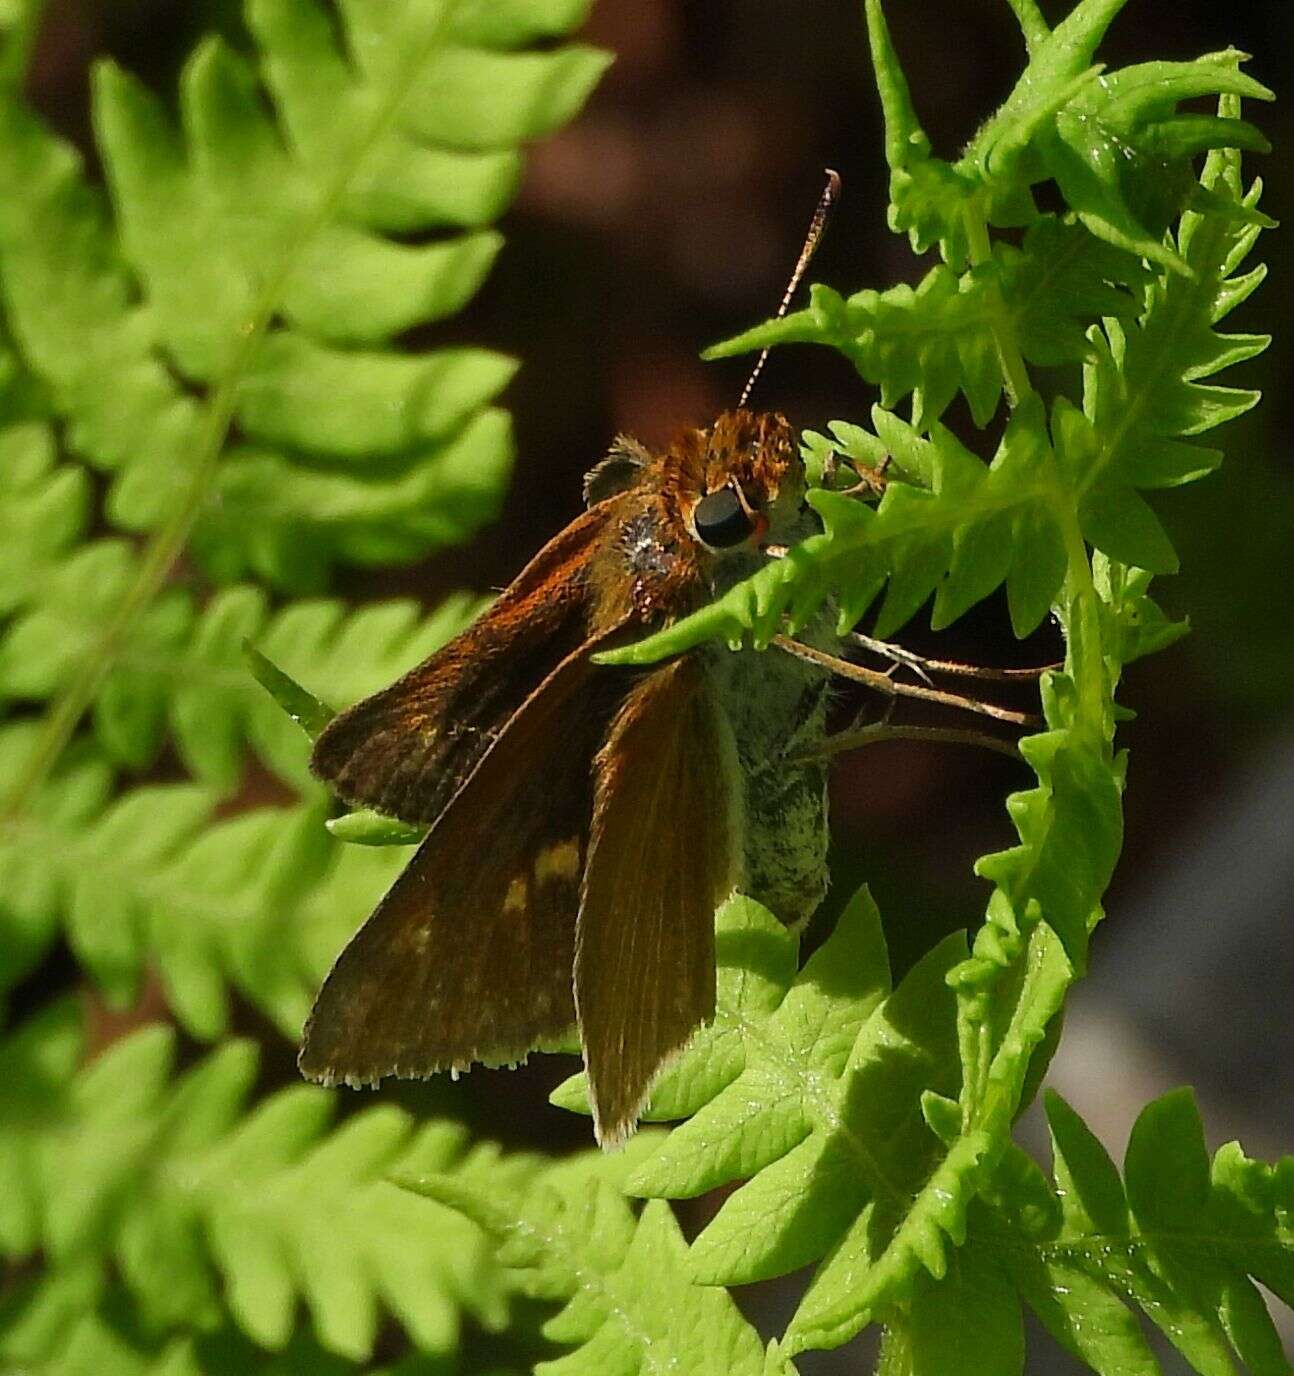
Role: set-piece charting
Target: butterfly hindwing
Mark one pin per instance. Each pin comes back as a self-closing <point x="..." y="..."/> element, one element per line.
<point x="469" y="956"/>
<point x="664" y="851"/>
<point x="407" y="750"/>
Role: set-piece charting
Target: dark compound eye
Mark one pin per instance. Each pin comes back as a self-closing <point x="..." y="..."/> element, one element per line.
<point x="721" y="520"/>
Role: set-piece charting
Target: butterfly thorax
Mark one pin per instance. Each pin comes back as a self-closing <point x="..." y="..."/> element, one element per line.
<point x="654" y="555"/>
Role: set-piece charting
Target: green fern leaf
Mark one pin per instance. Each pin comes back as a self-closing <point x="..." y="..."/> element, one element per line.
<point x="973" y="1309"/>
<point x="312" y="1219"/>
<point x="1032" y="945"/>
<point x="74" y="1323"/>
<point x="1146" y="394"/>
<point x="281" y="319"/>
<point x="940" y="338"/>
<point x="37" y="1063"/>
<point x="260" y="902"/>
<point x="958" y="529"/>
<point x="629" y="1303"/>
<point x="33" y="900"/>
<point x="181" y="673"/>
<point x="1178" y="1238"/>
<point x="1095" y="133"/>
<point x="1025" y="955"/>
<point x="44" y="510"/>
<point x="1135" y="625"/>
<point x="45" y="646"/>
<point x="19" y="28"/>
<point x="1029" y="950"/>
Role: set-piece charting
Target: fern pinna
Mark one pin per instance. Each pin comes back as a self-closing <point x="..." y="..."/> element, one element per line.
<point x="204" y="412"/>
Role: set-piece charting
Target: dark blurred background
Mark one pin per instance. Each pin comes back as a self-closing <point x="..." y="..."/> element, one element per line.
<point x="668" y="217"/>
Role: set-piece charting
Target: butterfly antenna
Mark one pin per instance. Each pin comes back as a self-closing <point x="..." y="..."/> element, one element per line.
<point x="830" y="195"/>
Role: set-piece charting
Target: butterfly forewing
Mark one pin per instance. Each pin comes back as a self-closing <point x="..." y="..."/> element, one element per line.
<point x="663" y="853"/>
<point x="407" y="750"/>
<point x="468" y="958"/>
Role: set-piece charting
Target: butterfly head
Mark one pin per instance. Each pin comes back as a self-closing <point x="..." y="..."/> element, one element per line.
<point x="740" y="481"/>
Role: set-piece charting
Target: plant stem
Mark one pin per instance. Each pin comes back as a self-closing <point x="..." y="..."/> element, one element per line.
<point x="1014" y="373"/>
<point x="1032" y="24"/>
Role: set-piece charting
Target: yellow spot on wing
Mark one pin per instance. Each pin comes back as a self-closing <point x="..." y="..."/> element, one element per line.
<point x="559" y="861"/>
<point x="518" y="892"/>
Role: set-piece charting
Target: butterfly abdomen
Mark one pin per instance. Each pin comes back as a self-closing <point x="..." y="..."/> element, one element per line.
<point x="777" y="709"/>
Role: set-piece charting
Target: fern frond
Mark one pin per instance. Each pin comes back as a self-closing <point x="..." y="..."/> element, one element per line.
<point x="959" y="528"/>
<point x="75" y="1322"/>
<point x="1031" y="946"/>
<point x="32" y="899"/>
<point x="1095" y="133"/>
<point x="1047" y="901"/>
<point x="180" y="672"/>
<point x="279" y="317"/>
<point x="941" y="337"/>
<point x="1178" y="1238"/>
<point x="129" y="1169"/>
<point x="1147" y="394"/>
<point x="629" y="1303"/>
<point x="259" y="902"/>
<point x="44" y="511"/>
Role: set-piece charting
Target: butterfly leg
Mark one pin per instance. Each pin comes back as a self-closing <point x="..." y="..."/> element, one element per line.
<point x="872" y="480"/>
<point x="923" y="667"/>
<point x="857" y="736"/>
<point x="884" y="683"/>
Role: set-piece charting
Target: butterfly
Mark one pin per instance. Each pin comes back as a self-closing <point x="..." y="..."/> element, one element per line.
<point x="586" y="820"/>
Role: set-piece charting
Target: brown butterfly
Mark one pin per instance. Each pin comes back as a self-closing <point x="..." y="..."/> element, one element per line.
<point x="586" y="820"/>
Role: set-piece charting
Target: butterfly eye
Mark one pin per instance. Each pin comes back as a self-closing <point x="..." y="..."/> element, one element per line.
<point x="721" y="520"/>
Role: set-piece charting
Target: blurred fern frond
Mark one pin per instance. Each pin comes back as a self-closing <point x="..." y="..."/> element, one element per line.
<point x="204" y="1205"/>
<point x="259" y="263"/>
<point x="156" y="880"/>
<point x="223" y="339"/>
<point x="221" y="377"/>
